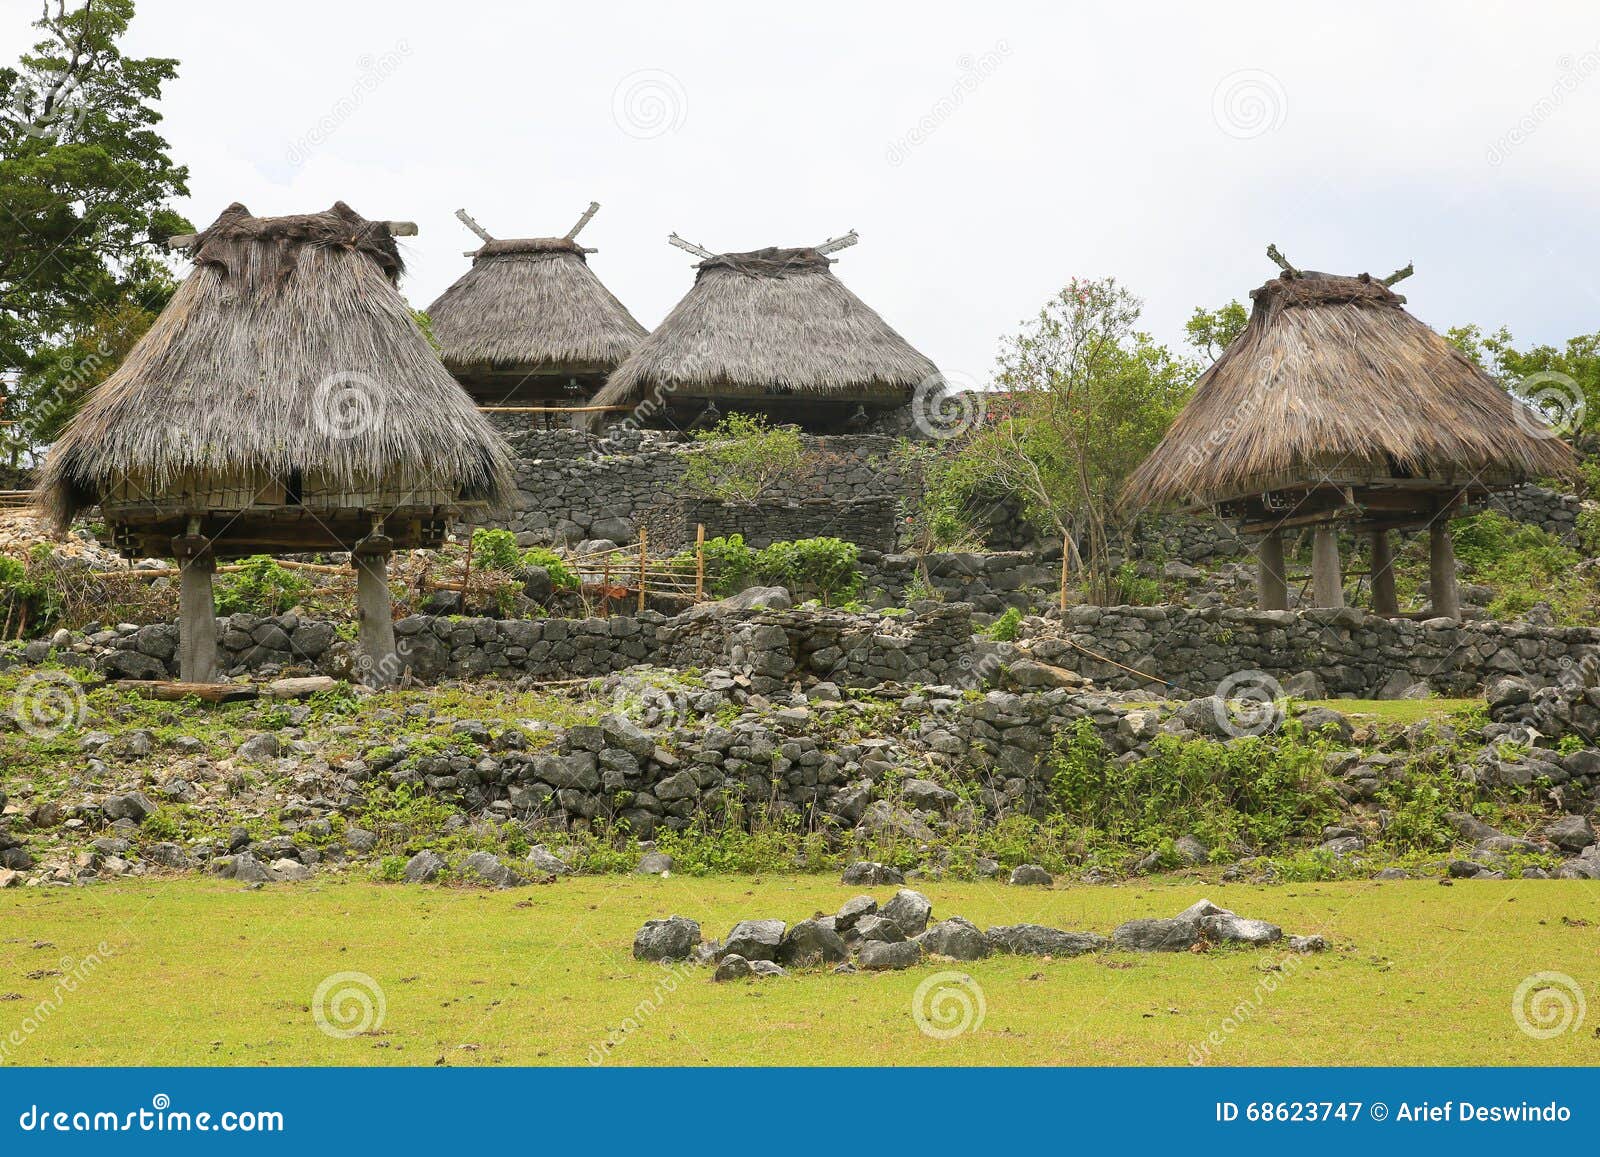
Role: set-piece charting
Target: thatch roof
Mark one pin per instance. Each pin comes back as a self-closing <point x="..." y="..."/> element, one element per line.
<point x="532" y="304"/>
<point x="1332" y="381"/>
<point x="283" y="326"/>
<point x="769" y="321"/>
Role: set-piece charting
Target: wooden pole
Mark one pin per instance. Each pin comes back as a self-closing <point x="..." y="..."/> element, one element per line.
<point x="1066" y="553"/>
<point x="197" y="621"/>
<point x="699" y="561"/>
<point x="375" y="619"/>
<point x="1384" y="600"/>
<point x="644" y="547"/>
<point x="1327" y="585"/>
<point x="1442" y="570"/>
<point x="1272" y="585"/>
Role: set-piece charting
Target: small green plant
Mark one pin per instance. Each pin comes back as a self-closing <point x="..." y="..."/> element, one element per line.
<point x="260" y="587"/>
<point x="561" y="575"/>
<point x="1133" y="589"/>
<point x="1005" y="628"/>
<point x="730" y="564"/>
<point x="390" y="870"/>
<point x="496" y="550"/>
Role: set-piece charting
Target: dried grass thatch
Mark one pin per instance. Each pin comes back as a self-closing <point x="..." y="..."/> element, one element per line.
<point x="287" y="349"/>
<point x="1332" y="381"/>
<point x="770" y="321"/>
<point x="532" y="305"/>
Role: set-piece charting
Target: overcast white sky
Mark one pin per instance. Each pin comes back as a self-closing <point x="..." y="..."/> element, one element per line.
<point x="1162" y="143"/>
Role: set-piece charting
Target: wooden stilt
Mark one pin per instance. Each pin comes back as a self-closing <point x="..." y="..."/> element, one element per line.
<point x="1272" y="587"/>
<point x="1384" y="600"/>
<point x="1442" y="570"/>
<point x="1327" y="583"/>
<point x="374" y="611"/>
<point x="197" y="610"/>
<point x="197" y="621"/>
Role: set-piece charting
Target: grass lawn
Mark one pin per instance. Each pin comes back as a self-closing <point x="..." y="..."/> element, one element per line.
<point x="1401" y="712"/>
<point x="206" y="973"/>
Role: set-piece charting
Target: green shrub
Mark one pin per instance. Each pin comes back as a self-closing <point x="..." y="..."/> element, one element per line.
<point x="742" y="457"/>
<point x="262" y="587"/>
<point x="390" y="870"/>
<point x="730" y="564"/>
<point x="828" y="566"/>
<point x="496" y="550"/>
<point x="1005" y="628"/>
<point x="561" y="575"/>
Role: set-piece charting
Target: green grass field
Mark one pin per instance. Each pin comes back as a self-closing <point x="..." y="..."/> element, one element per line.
<point x="202" y="972"/>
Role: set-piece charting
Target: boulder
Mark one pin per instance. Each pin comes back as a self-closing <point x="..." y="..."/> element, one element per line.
<point x="728" y="968"/>
<point x="289" y="871"/>
<point x="869" y="873"/>
<point x="654" y="864"/>
<point x="424" y="867"/>
<point x="1571" y="833"/>
<point x="853" y="910"/>
<point x="1037" y="940"/>
<point x="134" y="806"/>
<point x="884" y="956"/>
<point x="260" y="748"/>
<point x="811" y="942"/>
<point x="754" y="939"/>
<point x="1227" y="928"/>
<point x="674" y="938"/>
<point x="909" y="910"/>
<point x="1031" y="874"/>
<point x="1191" y="850"/>
<point x="878" y="928"/>
<point x="1307" y="944"/>
<point x="956" y="938"/>
<point x="486" y="866"/>
<point x="925" y="795"/>
<point x="1157" y="935"/>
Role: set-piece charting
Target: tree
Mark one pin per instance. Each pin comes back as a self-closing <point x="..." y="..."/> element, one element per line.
<point x="743" y="457"/>
<point x="1212" y="331"/>
<point x="86" y="183"/>
<point x="1093" y="396"/>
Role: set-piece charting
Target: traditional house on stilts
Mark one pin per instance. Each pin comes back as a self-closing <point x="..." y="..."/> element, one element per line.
<point x="770" y="332"/>
<point x="1336" y="409"/>
<point x="285" y="400"/>
<point x="530" y="325"/>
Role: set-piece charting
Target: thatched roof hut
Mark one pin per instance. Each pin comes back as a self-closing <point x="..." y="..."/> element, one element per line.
<point x="771" y="330"/>
<point x="286" y="398"/>
<point x="1335" y="405"/>
<point x="530" y="322"/>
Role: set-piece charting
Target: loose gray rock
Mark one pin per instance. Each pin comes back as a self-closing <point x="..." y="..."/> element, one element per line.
<point x="766" y="968"/>
<point x="869" y="873"/>
<point x="910" y="910"/>
<point x="487" y="867"/>
<point x="883" y="956"/>
<point x="134" y="806"/>
<point x="424" y="867"/>
<point x="242" y="867"/>
<point x="730" y="967"/>
<point x="1307" y="944"/>
<point x="1571" y="833"/>
<point x="654" y="864"/>
<point x="853" y="910"/>
<point x="956" y="938"/>
<point x="1037" y="940"/>
<point x="810" y="942"/>
<point x="754" y="939"/>
<point x="875" y="927"/>
<point x="1031" y="874"/>
<point x="674" y="938"/>
<point x="1157" y="935"/>
<point x="1230" y="929"/>
<point x="260" y="748"/>
<point x="288" y="871"/>
<point x="1191" y="850"/>
<point x="543" y="861"/>
<point x="359" y="840"/>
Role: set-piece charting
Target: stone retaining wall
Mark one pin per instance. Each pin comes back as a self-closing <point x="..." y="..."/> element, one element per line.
<point x="1352" y="653"/>
<point x="870" y="521"/>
